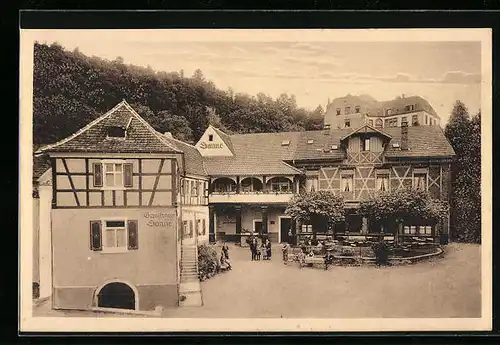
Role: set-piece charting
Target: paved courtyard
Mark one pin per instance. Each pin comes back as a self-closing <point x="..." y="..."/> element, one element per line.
<point x="447" y="287"/>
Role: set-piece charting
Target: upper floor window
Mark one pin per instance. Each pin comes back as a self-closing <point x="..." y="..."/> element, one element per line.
<point x="389" y="111"/>
<point x="420" y="181"/>
<point x="210" y="137"/>
<point x="410" y="107"/>
<point x="404" y="119"/>
<point x="338" y="111"/>
<point x="365" y="144"/>
<point x="378" y="123"/>
<point x="426" y="119"/>
<point x="347" y="110"/>
<point x="347" y="183"/>
<point x="414" y="120"/>
<point x="382" y="183"/>
<point x="112" y="174"/>
<point x="347" y="123"/>
<point x="115" y="132"/>
<point x="370" y="122"/>
<point x="194" y="188"/>
<point x="356" y="109"/>
<point x="224" y="185"/>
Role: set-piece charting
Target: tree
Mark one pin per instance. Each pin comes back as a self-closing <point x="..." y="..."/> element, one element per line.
<point x="198" y="75"/>
<point x="464" y="135"/>
<point x="399" y="205"/>
<point x="316" y="208"/>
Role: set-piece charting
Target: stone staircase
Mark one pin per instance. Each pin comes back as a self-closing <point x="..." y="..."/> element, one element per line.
<point x="189" y="288"/>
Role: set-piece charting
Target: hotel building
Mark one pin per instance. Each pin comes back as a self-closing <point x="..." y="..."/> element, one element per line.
<point x="129" y="205"/>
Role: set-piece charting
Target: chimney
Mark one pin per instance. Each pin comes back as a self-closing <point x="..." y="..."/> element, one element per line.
<point x="168" y="135"/>
<point x="404" y="135"/>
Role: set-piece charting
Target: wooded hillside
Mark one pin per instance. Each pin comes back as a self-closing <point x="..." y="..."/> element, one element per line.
<point x="71" y="89"/>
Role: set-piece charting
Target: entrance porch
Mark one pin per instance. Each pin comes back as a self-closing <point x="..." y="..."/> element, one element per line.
<point x="230" y="222"/>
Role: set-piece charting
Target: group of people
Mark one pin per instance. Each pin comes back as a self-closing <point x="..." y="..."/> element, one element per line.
<point x="260" y="250"/>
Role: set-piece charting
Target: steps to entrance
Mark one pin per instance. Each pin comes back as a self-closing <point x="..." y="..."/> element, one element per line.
<point x="189" y="288"/>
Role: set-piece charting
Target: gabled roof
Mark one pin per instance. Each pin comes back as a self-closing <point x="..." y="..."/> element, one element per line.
<point x="366" y="129"/>
<point x="41" y="164"/>
<point x="316" y="145"/>
<point x="256" y="154"/>
<point x="398" y="106"/>
<point x="192" y="158"/>
<point x="423" y="141"/>
<point x="140" y="137"/>
<point x="225" y="138"/>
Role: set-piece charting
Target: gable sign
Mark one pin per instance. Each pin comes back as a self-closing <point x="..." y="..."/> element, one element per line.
<point x="211" y="144"/>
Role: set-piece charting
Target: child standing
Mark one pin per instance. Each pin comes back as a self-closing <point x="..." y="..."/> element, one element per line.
<point x="284" y="249"/>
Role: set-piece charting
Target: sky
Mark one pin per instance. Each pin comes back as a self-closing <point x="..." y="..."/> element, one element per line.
<point x="314" y="71"/>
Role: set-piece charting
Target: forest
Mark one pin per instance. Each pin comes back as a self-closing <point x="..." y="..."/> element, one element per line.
<point x="72" y="89"/>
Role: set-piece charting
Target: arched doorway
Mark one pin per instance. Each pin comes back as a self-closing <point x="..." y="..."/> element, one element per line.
<point x="116" y="295"/>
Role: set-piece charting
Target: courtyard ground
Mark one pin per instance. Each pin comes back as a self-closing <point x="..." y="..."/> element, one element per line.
<point x="446" y="287"/>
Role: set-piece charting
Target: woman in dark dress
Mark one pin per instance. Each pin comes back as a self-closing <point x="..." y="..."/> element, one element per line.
<point x="268" y="249"/>
<point x="253" y="247"/>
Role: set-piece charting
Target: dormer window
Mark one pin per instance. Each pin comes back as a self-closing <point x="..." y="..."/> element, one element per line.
<point x="338" y="111"/>
<point x="210" y="137"/>
<point x="347" y="110"/>
<point x="395" y="145"/>
<point x="335" y="147"/>
<point x="285" y="143"/>
<point x="116" y="132"/>
<point x="357" y="109"/>
<point x="389" y="111"/>
<point x="410" y="107"/>
<point x="310" y="141"/>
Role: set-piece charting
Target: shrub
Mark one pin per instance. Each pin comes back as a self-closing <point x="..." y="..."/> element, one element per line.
<point x="208" y="264"/>
<point x="381" y="251"/>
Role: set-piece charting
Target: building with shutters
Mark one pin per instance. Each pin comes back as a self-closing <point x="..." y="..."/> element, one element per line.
<point x="127" y="201"/>
<point x="354" y="111"/>
<point x="254" y="176"/>
<point x="124" y="200"/>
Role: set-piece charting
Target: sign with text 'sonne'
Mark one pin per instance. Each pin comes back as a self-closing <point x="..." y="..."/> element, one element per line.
<point x="159" y="219"/>
<point x="204" y="145"/>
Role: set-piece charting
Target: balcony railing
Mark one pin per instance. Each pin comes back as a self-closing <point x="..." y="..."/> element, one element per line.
<point x="250" y="197"/>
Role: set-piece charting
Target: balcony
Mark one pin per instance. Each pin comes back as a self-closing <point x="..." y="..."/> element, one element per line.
<point x="251" y="197"/>
<point x="278" y="190"/>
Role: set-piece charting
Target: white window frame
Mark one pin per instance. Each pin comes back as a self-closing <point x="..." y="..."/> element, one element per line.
<point x="379" y="181"/>
<point x="104" y="163"/>
<point x="414" y="184"/>
<point x="347" y="177"/>
<point x="108" y="249"/>
<point x="366" y="144"/>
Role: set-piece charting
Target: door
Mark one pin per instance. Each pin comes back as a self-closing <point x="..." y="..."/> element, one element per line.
<point x="190" y="231"/>
<point x="257" y="226"/>
<point x="285" y="228"/>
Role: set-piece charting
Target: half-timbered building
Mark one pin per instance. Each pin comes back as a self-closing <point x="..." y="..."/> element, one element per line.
<point x="129" y="205"/>
<point x="115" y="214"/>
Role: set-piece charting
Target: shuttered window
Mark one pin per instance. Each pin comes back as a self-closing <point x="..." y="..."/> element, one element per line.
<point x="118" y="235"/>
<point x="97" y="174"/>
<point x="128" y="177"/>
<point x="133" y="242"/>
<point x="95" y="235"/>
<point x="204" y="225"/>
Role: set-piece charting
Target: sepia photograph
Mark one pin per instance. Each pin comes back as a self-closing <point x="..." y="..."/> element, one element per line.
<point x="255" y="180"/>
